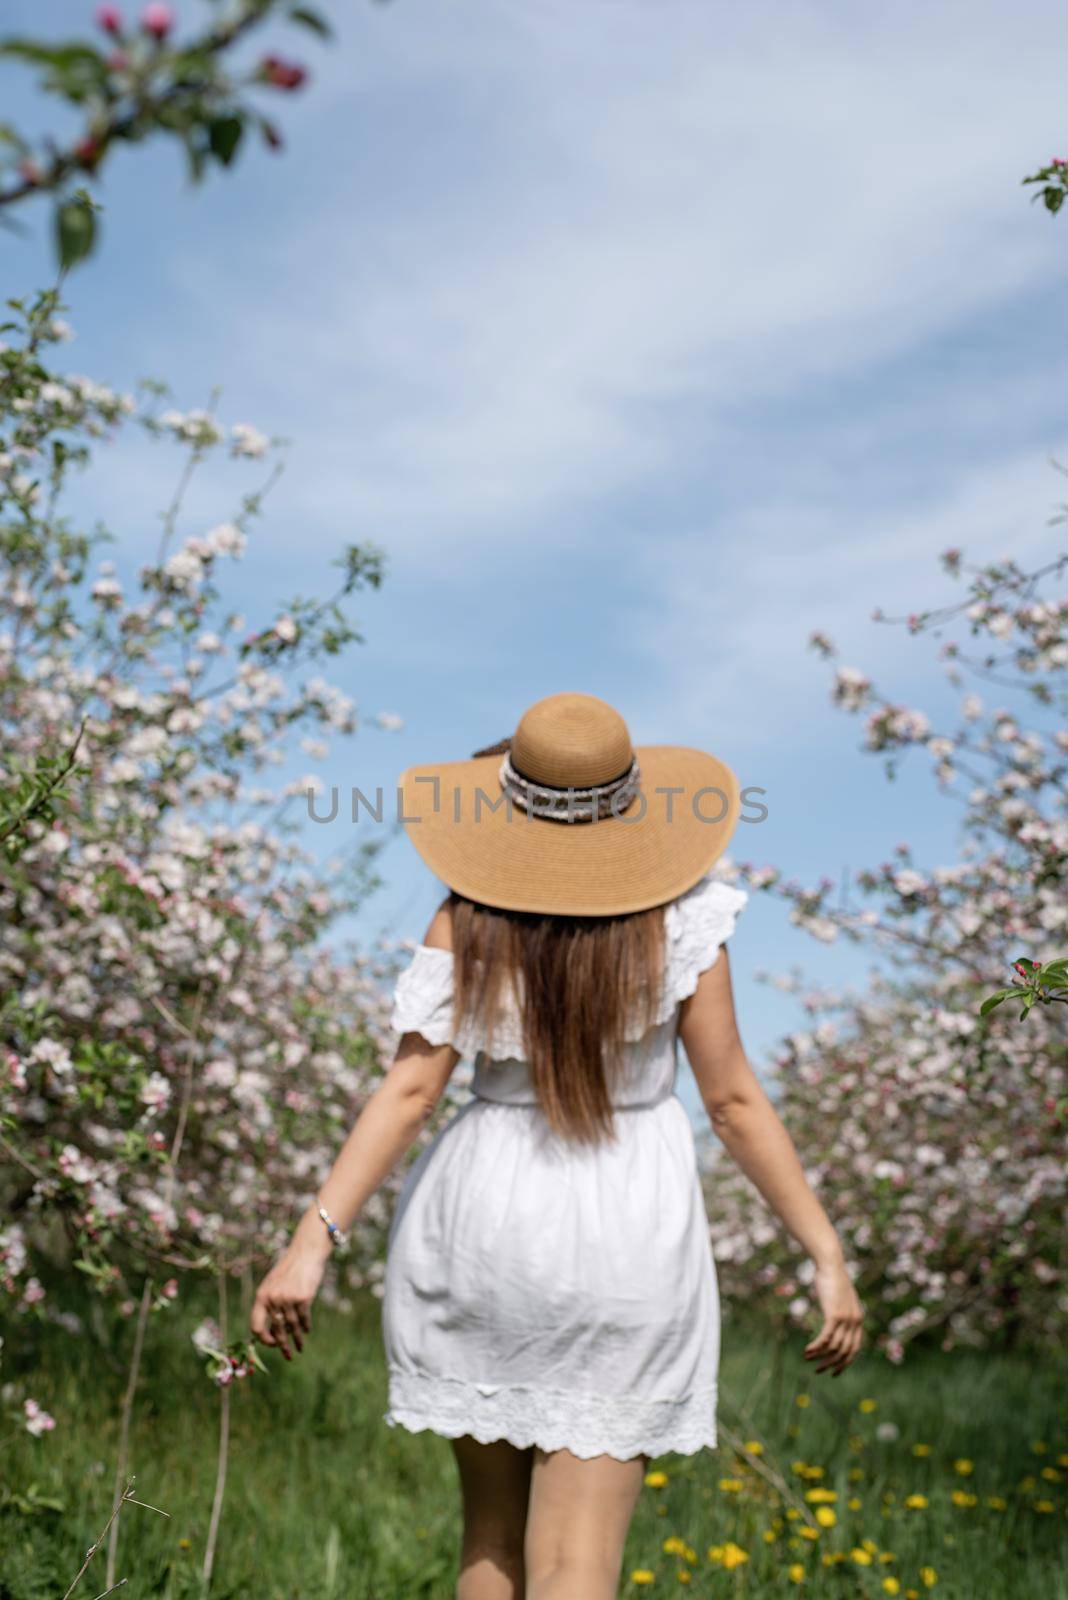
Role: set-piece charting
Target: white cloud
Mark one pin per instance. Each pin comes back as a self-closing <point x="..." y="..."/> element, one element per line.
<point x="569" y="241"/>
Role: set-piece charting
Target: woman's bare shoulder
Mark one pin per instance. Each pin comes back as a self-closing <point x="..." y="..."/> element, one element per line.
<point x="439" y="934"/>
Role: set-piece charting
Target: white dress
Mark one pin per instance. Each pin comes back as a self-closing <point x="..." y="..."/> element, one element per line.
<point x="554" y="1294"/>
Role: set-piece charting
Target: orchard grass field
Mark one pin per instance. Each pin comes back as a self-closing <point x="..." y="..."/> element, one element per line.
<point x="945" y="1476"/>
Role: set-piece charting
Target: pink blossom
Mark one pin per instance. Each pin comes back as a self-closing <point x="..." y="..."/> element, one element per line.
<point x="157" y="19"/>
<point x="109" y="18"/>
<point x="38" y="1420"/>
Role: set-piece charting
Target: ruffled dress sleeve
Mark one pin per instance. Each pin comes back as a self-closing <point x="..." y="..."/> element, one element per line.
<point x="695" y="925"/>
<point x="423" y="994"/>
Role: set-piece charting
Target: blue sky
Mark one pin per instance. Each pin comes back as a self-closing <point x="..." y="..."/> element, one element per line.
<point x="646" y="338"/>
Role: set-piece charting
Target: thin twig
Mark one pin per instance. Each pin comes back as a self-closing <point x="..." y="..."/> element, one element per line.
<point x="224" y="1444"/>
<point x="95" y="1546"/>
<point x="770" y="1474"/>
<point x="124" y="1432"/>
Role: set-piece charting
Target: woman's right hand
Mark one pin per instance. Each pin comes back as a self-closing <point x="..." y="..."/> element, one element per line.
<point x="842" y="1333"/>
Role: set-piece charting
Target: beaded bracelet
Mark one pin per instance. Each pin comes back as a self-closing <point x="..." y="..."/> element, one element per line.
<point x="337" y="1238"/>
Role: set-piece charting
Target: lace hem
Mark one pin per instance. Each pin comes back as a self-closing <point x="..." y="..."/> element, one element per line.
<point x="554" y="1419"/>
<point x="422" y="996"/>
<point x="697" y="923"/>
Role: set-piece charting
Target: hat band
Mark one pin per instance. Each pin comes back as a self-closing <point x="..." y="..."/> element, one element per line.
<point x="571" y="805"/>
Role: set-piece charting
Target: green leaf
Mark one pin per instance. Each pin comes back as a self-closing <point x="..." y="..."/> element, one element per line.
<point x="311" y="19"/>
<point x="75" y="231"/>
<point x="995" y="1000"/>
<point x="224" y="136"/>
<point x="74" y="69"/>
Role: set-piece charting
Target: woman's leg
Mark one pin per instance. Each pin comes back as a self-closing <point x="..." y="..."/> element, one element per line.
<point x="580" y="1513"/>
<point x="495" y="1485"/>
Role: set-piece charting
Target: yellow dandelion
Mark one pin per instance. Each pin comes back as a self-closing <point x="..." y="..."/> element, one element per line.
<point x="1062" y="1461"/>
<point x="769" y="1536"/>
<point x="734" y="1555"/>
<point x="792" y="1513"/>
<point x="887" y="1555"/>
<point x="684" y="1576"/>
<point x="1040" y="1446"/>
<point x="184" y="1544"/>
<point x="795" y="1572"/>
<point x="802" y="1400"/>
<point x="996" y="1503"/>
<point x="821" y="1496"/>
<point x="869" y="1545"/>
<point x="754" y="1447"/>
<point x="642" y="1575"/>
<point x="867" y="1405"/>
<point x="928" y="1577"/>
<point x="826" y="1516"/>
<point x="673" y="1546"/>
<point x="854" y="1504"/>
<point x="963" y="1466"/>
<point x="856" y="1474"/>
<point x="690" y="1553"/>
<point x="1043" y="1505"/>
<point x="1052" y="1474"/>
<point x="961" y="1497"/>
<point x="656" y="1480"/>
<point x="921" y="1449"/>
<point x="891" y="1586"/>
<point x="730" y="1485"/>
<point x="810" y="1533"/>
<point x="861" y="1556"/>
<point x="1025" y="1485"/>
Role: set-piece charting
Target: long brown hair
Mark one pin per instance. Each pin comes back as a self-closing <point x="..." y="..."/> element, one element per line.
<point x="576" y="982"/>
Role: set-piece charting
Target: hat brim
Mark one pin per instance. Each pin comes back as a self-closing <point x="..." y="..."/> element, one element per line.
<point x="489" y="849"/>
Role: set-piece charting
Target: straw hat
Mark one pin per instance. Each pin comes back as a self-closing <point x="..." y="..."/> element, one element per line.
<point x="567" y="817"/>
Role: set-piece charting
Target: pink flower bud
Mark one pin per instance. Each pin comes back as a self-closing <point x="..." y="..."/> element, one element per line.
<point x="157" y="19"/>
<point x="87" y="150"/>
<point x="282" y="74"/>
<point x="109" y="18"/>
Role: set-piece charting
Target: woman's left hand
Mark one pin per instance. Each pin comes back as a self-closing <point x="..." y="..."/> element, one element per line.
<point x="284" y="1300"/>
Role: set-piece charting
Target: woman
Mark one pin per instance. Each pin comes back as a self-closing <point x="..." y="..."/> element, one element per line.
<point x="550" y="1300"/>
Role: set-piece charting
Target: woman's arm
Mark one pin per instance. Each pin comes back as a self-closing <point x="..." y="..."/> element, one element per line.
<point x="747" y="1123"/>
<point x="385" y="1130"/>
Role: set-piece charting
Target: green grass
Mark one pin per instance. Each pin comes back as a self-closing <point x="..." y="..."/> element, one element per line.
<point x="323" y="1500"/>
